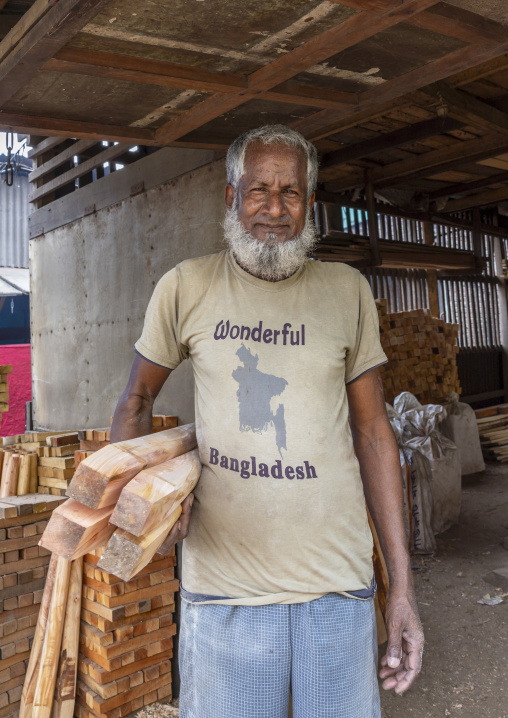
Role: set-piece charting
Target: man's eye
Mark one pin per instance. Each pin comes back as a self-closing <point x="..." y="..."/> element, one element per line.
<point x="291" y="191"/>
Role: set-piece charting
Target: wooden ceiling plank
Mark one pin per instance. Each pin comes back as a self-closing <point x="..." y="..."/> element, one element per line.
<point x="482" y="199"/>
<point x="57" y="127"/>
<point x="328" y="122"/>
<point x="35" y="13"/>
<point x="428" y="163"/>
<point x="53" y="29"/>
<point x="481" y="71"/>
<point x="298" y="94"/>
<point x="461" y="187"/>
<point x="411" y="133"/>
<point x="459" y="23"/>
<point x="319" y="48"/>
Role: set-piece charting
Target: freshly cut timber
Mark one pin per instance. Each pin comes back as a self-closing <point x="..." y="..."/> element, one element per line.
<point x="32" y="673"/>
<point x="45" y="688"/>
<point x="10" y="476"/>
<point x="100" y="478"/>
<point x="65" y="690"/>
<point x="126" y="554"/>
<point x="74" y="529"/>
<point x="155" y="493"/>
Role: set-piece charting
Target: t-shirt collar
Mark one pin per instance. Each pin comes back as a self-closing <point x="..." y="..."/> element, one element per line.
<point x="280" y="286"/>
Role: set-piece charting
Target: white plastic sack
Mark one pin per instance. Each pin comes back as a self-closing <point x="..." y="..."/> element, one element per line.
<point x="460" y="426"/>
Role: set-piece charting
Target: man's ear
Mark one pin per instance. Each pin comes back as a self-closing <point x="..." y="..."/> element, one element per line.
<point x="312" y="199"/>
<point x="229" y="195"/>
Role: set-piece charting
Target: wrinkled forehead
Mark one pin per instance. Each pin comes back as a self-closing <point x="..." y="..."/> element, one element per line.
<point x="272" y="158"/>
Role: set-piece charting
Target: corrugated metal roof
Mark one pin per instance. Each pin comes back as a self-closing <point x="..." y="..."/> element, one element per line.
<point x="14" y="281"/>
<point x="14" y="219"/>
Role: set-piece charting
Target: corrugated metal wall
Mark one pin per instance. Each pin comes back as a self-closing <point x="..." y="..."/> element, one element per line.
<point x="14" y="221"/>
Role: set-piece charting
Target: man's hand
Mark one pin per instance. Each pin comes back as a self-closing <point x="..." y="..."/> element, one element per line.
<point x="403" y="659"/>
<point x="180" y="529"/>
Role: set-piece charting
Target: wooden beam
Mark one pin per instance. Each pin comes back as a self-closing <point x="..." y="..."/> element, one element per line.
<point x="459" y="23"/>
<point x="56" y="24"/>
<point x="57" y="127"/>
<point x="167" y="74"/>
<point x="463" y="187"/>
<point x="471" y="109"/>
<point x="43" y="145"/>
<point x="328" y="122"/>
<point x="7" y="22"/>
<point x="411" y="133"/>
<point x="428" y="163"/>
<point x="482" y="199"/>
<point x="319" y="48"/>
<point x="58" y="160"/>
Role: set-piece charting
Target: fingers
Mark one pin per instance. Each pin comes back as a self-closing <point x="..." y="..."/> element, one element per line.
<point x="180" y="529"/>
<point x="393" y="654"/>
<point x="401" y="678"/>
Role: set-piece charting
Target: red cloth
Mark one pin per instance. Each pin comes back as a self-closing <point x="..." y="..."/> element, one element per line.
<point x="20" y="387"/>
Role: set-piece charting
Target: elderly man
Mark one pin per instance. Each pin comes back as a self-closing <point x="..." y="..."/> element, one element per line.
<point x="293" y="435"/>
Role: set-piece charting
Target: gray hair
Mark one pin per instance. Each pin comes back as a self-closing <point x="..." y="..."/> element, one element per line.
<point x="271" y="135"/>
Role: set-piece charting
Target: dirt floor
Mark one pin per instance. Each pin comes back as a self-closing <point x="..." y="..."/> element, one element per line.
<point x="465" y="673"/>
<point x="465" y="669"/>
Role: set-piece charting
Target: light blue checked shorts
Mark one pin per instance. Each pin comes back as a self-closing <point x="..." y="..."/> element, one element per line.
<point x="241" y="661"/>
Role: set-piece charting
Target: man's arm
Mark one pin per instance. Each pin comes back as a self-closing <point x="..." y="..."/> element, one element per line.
<point x="133" y="418"/>
<point x="378" y="455"/>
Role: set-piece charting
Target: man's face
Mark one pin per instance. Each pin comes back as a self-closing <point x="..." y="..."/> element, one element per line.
<point x="272" y="193"/>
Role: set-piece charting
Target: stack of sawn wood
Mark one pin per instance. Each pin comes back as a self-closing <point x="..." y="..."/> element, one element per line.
<point x="5" y="369"/>
<point x="23" y="570"/>
<point x="493" y="429"/>
<point x="125" y="497"/>
<point x="421" y="352"/>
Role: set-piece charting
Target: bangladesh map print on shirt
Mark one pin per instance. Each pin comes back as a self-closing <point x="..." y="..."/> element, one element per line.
<point x="255" y="392"/>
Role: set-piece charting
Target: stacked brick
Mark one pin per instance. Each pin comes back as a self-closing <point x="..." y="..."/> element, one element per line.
<point x="126" y="638"/>
<point x="23" y="569"/>
<point x="421" y="352"/>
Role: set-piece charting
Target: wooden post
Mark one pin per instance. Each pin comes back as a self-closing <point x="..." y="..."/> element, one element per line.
<point x="428" y="238"/>
<point x="10" y="477"/>
<point x="24" y="475"/>
<point x="372" y="218"/>
<point x="45" y="688"/>
<point x="34" y="480"/>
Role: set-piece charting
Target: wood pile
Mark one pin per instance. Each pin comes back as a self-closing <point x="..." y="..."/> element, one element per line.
<point x="5" y="370"/>
<point x="127" y="627"/>
<point x="56" y="463"/>
<point x="23" y="571"/>
<point x="421" y="352"/>
<point x="493" y="429"/>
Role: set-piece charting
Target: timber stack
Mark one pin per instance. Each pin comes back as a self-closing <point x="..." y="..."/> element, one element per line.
<point x="493" y="429"/>
<point x="5" y="370"/>
<point x="421" y="352"/>
<point x="23" y="574"/>
<point x="127" y="593"/>
<point x="56" y="463"/>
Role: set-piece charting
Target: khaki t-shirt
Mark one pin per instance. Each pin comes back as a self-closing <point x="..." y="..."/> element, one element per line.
<point x="279" y="512"/>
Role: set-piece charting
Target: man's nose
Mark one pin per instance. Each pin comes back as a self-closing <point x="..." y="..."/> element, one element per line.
<point x="275" y="204"/>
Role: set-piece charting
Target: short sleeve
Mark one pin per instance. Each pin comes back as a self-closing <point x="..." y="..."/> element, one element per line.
<point x="160" y="341"/>
<point x="366" y="351"/>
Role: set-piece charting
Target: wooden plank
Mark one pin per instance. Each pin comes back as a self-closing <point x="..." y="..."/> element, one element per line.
<point x="463" y="187"/>
<point x="23" y="565"/>
<point x="81" y="169"/>
<point x="65" y="689"/>
<point x="460" y="23"/>
<point x="139" y="595"/>
<point x="31" y="504"/>
<point x="155" y="493"/>
<point x="319" y="48"/>
<point x="102" y="676"/>
<point x="10" y="476"/>
<point x="99" y="479"/>
<point x="482" y="199"/>
<point x="32" y="674"/>
<point x="469" y="109"/>
<point x="127" y="554"/>
<point x="120" y="647"/>
<point x="75" y="529"/>
<point x="44" y="146"/>
<point x="59" y="462"/>
<point x="24" y="475"/>
<point x="57" y="161"/>
<point x="54" y="472"/>
<point x="45" y="687"/>
<point x="50" y="32"/>
<point x="106" y="625"/>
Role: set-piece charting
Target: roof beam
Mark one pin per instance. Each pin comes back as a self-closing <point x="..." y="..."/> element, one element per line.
<point x="49" y="26"/>
<point x="7" y="22"/>
<point x="461" y="187"/>
<point x="56" y="127"/>
<point x="167" y="74"/>
<point x="469" y="108"/>
<point x="482" y="199"/>
<point x="328" y="122"/>
<point x="428" y="163"/>
<point x="461" y="24"/>
<point x="412" y="133"/>
<point x="319" y="48"/>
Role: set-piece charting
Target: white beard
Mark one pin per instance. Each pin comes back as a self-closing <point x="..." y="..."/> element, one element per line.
<point x="269" y="260"/>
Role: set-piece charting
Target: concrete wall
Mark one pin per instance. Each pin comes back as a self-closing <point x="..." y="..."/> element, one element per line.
<point x="91" y="282"/>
